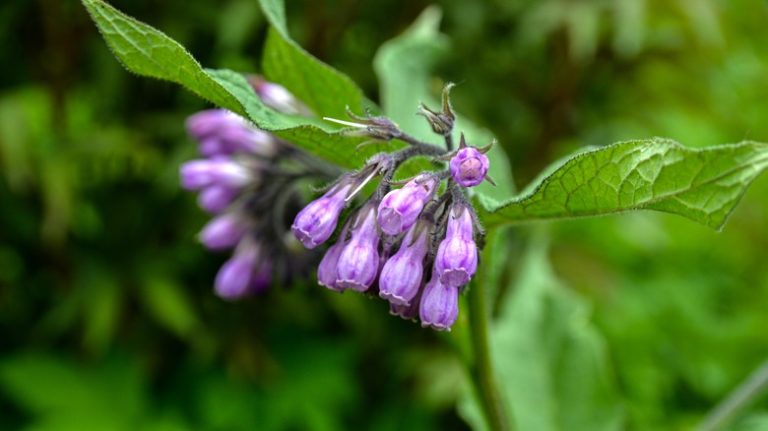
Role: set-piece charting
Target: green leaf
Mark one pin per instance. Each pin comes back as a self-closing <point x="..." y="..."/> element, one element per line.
<point x="318" y="137"/>
<point x="703" y="185"/>
<point x="325" y="90"/>
<point x="55" y="390"/>
<point x="148" y="52"/>
<point x="551" y="363"/>
<point x="170" y="305"/>
<point x="404" y="67"/>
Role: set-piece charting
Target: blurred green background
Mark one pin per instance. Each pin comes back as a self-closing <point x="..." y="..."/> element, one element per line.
<point x="107" y="317"/>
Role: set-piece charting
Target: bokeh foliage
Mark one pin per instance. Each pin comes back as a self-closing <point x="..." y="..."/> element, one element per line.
<point x="106" y="312"/>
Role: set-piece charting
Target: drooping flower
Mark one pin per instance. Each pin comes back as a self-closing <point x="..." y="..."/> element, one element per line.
<point x="224" y="231"/>
<point x="237" y="274"/>
<point x="216" y="198"/>
<point x="199" y="174"/>
<point x="439" y="304"/>
<point x="249" y="213"/>
<point x="327" y="270"/>
<point x="358" y="262"/>
<point x="401" y="276"/>
<point x="315" y="223"/>
<point x="400" y="208"/>
<point x="278" y="97"/>
<point x="221" y="132"/>
<point x="456" y="259"/>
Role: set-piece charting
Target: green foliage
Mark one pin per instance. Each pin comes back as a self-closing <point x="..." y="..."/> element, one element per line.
<point x="703" y="185"/>
<point x="146" y="51"/>
<point x="552" y="363"/>
<point x="325" y="90"/>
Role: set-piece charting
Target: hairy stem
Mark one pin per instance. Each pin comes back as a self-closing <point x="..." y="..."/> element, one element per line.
<point x="482" y="372"/>
<point x="741" y="397"/>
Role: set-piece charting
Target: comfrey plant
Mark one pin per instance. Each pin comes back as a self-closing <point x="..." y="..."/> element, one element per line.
<point x="245" y="180"/>
<point x="416" y="238"/>
<point x="414" y="245"/>
<point x="386" y="243"/>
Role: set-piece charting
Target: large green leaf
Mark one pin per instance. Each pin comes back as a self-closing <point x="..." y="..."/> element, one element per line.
<point x="404" y="68"/>
<point x="148" y="52"/>
<point x="551" y="363"/>
<point x="703" y="185"/>
<point x="325" y="90"/>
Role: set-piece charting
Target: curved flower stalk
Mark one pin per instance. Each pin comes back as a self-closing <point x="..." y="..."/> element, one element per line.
<point x="247" y="181"/>
<point x="429" y="223"/>
<point x="412" y="243"/>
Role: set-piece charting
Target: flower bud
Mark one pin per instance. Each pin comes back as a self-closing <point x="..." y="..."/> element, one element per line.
<point x="439" y="305"/>
<point x="205" y="124"/>
<point x="441" y="122"/>
<point x="456" y="259"/>
<point x="401" y="275"/>
<point x="197" y="174"/>
<point x="278" y="97"/>
<point x="400" y="208"/>
<point x="223" y="232"/>
<point x="245" y="138"/>
<point x="315" y="223"/>
<point x="215" y="199"/>
<point x="326" y="271"/>
<point x="469" y="167"/>
<point x="359" y="260"/>
<point x="236" y="275"/>
<point x="211" y="147"/>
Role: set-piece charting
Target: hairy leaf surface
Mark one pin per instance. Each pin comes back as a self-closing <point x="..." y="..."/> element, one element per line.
<point x="148" y="52"/>
<point x="703" y="185"/>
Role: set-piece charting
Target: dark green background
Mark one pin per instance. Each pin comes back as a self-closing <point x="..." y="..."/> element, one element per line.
<point x="107" y="317"/>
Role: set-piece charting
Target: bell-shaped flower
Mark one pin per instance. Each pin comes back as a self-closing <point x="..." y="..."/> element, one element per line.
<point x="439" y="305"/>
<point x="401" y="275"/>
<point x="358" y="262"/>
<point x="315" y="223"/>
<point x="400" y="208"/>
<point x="456" y="259"/>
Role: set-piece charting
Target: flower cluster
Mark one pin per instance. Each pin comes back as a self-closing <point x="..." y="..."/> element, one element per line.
<point x="413" y="243"/>
<point x="415" y="246"/>
<point x="248" y="211"/>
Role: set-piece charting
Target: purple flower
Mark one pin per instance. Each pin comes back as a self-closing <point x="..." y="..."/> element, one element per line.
<point x="221" y="132"/>
<point x="236" y="275"/>
<point x="216" y="198"/>
<point x="401" y="275"/>
<point x="469" y="167"/>
<point x="315" y="223"/>
<point x="456" y="259"/>
<point x="439" y="305"/>
<point x="400" y="208"/>
<point x="278" y="97"/>
<point x="359" y="260"/>
<point x="198" y="174"/>
<point x="326" y="271"/>
<point x="223" y="232"/>
<point x="205" y="124"/>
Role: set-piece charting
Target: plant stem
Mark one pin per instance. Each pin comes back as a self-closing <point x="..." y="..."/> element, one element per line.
<point x="482" y="372"/>
<point x="741" y="397"/>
